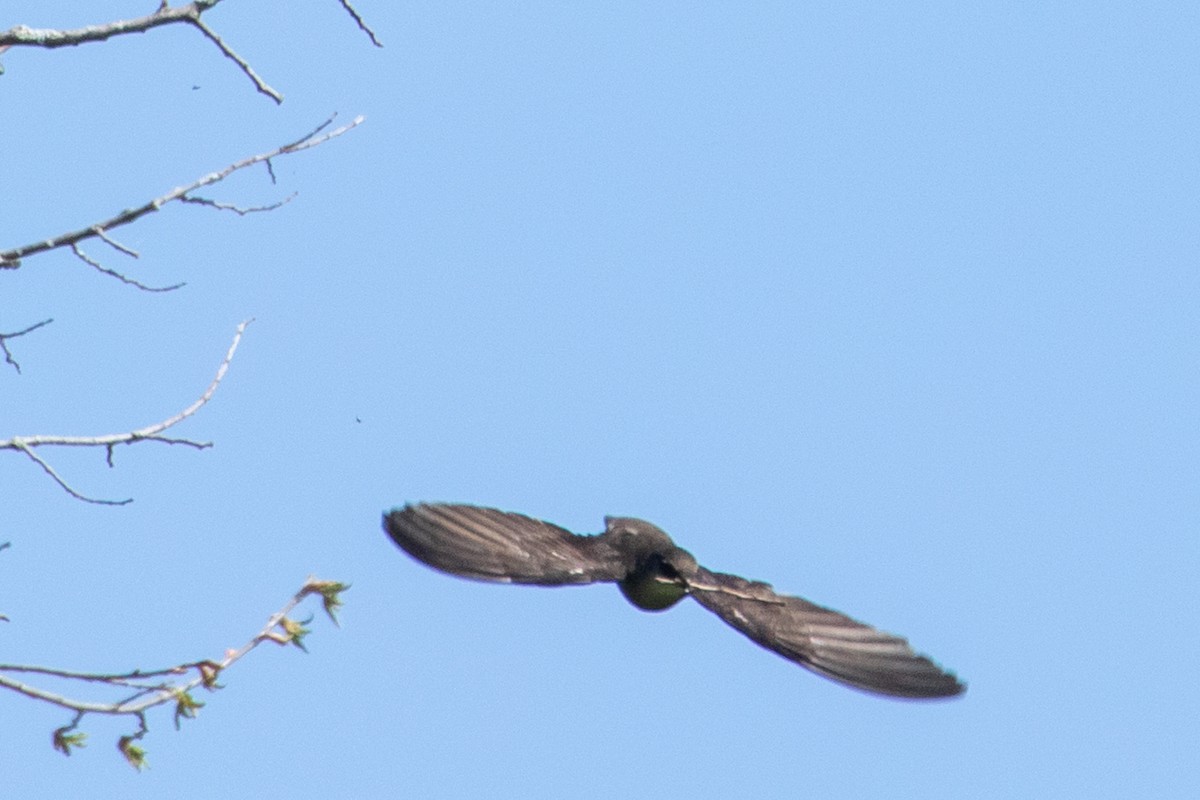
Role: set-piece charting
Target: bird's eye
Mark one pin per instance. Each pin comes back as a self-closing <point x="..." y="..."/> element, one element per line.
<point x="665" y="569"/>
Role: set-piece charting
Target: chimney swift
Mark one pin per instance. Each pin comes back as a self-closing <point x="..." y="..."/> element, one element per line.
<point x="653" y="573"/>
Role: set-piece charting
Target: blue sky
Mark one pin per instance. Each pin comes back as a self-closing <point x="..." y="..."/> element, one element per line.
<point x="893" y="308"/>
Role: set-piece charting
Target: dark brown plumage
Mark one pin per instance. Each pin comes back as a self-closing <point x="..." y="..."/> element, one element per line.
<point x="654" y="574"/>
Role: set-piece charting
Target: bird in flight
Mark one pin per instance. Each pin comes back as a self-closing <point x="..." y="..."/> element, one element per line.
<point x="653" y="573"/>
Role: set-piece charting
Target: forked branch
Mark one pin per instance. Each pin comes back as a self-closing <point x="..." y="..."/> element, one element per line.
<point x="149" y="433"/>
<point x="4" y="337"/>
<point x="143" y="690"/>
<point x="189" y="14"/>
<point x="102" y="230"/>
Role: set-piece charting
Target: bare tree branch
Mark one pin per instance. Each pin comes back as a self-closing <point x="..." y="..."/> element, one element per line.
<point x="134" y="694"/>
<point x="189" y="14"/>
<point x="4" y="337"/>
<point x="176" y="687"/>
<point x="23" y="35"/>
<point x="26" y="444"/>
<point x="12" y="258"/>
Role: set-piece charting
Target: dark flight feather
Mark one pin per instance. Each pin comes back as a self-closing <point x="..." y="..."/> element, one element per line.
<point x="821" y="639"/>
<point x="490" y="545"/>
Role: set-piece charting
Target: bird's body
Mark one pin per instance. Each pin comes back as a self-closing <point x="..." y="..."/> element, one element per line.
<point x="654" y="574"/>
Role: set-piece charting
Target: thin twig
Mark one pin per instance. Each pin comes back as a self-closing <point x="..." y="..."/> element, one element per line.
<point x="116" y="678"/>
<point x="4" y="337"/>
<point x="41" y="462"/>
<point x="241" y="211"/>
<point x="358" y="20"/>
<point x="123" y="278"/>
<point x="25" y="444"/>
<point x="114" y="244"/>
<point x="259" y="83"/>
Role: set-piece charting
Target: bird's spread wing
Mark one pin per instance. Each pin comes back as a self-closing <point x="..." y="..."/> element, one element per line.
<point x="822" y="640"/>
<point x="491" y="545"/>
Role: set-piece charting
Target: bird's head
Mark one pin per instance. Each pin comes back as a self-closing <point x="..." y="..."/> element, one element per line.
<point x="658" y="569"/>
